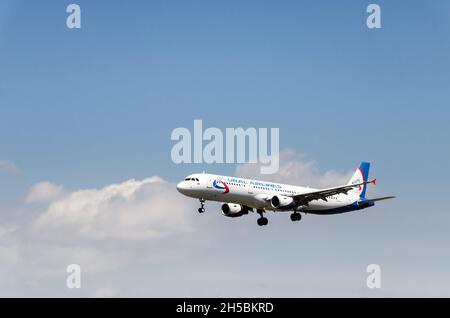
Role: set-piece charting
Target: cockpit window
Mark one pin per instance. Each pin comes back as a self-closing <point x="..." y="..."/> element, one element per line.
<point x="191" y="179"/>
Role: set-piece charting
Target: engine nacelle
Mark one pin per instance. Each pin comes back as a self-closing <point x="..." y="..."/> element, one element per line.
<point x="282" y="202"/>
<point x="233" y="210"/>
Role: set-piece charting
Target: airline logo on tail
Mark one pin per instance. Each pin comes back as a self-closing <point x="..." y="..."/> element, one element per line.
<point x="359" y="179"/>
<point x="361" y="175"/>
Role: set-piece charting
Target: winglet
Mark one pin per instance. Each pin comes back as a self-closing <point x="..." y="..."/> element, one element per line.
<point x="374" y="181"/>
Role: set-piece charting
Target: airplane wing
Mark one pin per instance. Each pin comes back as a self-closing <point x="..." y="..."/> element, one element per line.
<point x="305" y="198"/>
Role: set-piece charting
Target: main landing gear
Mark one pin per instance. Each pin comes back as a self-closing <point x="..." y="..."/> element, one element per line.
<point x="201" y="209"/>
<point x="296" y="216"/>
<point x="262" y="220"/>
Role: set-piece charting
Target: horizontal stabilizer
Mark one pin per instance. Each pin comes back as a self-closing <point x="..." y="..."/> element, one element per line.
<point x="378" y="199"/>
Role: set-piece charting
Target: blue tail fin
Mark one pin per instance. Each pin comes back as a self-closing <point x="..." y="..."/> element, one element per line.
<point x="361" y="175"/>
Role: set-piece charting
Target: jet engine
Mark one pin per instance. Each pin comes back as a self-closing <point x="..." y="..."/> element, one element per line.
<point x="282" y="202"/>
<point x="234" y="210"/>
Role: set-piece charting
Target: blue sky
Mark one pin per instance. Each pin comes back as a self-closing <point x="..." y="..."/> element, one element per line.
<point x="90" y="107"/>
<point x="116" y="88"/>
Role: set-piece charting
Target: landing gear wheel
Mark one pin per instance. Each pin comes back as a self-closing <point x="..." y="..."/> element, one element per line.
<point x="296" y="217"/>
<point x="201" y="209"/>
<point x="262" y="221"/>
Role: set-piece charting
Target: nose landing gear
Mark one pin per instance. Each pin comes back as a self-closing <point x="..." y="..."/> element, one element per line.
<point x="201" y="209"/>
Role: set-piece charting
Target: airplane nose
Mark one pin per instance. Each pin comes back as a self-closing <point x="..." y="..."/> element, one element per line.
<point x="180" y="187"/>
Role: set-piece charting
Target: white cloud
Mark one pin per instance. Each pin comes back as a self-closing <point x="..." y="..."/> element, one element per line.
<point x="8" y="166"/>
<point x="295" y="169"/>
<point x="137" y="210"/>
<point x="103" y="230"/>
<point x="44" y="192"/>
<point x="9" y="249"/>
<point x="53" y="259"/>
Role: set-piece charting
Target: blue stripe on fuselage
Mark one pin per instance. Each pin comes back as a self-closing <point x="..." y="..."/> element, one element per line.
<point x="348" y="208"/>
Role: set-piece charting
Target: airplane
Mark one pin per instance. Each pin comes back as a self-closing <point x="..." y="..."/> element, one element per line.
<point x="239" y="196"/>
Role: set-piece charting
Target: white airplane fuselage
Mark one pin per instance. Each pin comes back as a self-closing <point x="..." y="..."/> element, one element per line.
<point x="257" y="194"/>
